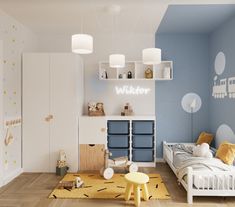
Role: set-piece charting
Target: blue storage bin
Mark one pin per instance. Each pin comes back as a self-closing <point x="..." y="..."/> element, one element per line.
<point x="118" y="153"/>
<point x="143" y="141"/>
<point x="143" y="127"/>
<point x="118" y="127"/>
<point x="142" y="155"/>
<point x="118" y="141"/>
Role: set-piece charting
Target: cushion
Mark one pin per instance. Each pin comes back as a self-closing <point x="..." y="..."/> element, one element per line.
<point x="226" y="152"/>
<point x="204" y="138"/>
<point x="202" y="150"/>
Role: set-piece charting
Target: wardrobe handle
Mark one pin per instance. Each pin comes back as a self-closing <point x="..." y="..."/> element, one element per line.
<point x="103" y="129"/>
<point x="47" y="118"/>
<point x="51" y="116"/>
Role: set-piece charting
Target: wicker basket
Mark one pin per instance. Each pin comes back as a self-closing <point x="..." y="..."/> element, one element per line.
<point x="96" y="113"/>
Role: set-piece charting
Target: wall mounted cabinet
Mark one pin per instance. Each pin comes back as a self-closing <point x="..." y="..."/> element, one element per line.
<point x="162" y="71"/>
<point x="52" y="102"/>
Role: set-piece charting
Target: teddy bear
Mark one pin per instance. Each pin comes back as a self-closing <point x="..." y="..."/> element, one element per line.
<point x="92" y="106"/>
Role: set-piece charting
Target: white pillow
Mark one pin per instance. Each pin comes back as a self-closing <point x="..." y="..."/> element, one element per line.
<point x="202" y="150"/>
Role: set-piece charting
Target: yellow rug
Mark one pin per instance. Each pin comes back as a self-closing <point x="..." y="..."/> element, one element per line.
<point x="97" y="187"/>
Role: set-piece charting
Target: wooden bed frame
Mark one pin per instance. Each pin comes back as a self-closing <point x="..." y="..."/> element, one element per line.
<point x="226" y="188"/>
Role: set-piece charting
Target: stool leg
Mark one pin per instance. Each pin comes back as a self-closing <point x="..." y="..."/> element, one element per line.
<point x="137" y="195"/>
<point x="145" y="192"/>
<point x="128" y="191"/>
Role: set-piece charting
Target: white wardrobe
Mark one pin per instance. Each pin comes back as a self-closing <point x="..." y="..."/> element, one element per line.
<point x="52" y="102"/>
<point x="1" y="116"/>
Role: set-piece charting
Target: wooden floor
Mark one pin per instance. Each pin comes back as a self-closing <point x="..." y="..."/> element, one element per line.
<point x="32" y="190"/>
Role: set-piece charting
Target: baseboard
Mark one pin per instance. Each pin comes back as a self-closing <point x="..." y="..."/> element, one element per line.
<point x="160" y="160"/>
<point x="12" y="176"/>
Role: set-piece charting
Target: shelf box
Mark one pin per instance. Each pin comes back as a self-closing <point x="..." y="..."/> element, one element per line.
<point x="164" y="71"/>
<point x="143" y="141"/>
<point x="143" y="155"/>
<point x="118" y="141"/>
<point x="130" y="66"/>
<point x="115" y="153"/>
<point x="140" y="69"/>
<point x="117" y="127"/>
<point x="111" y="72"/>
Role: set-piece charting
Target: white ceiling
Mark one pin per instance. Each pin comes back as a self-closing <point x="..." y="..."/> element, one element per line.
<point x="62" y="17"/>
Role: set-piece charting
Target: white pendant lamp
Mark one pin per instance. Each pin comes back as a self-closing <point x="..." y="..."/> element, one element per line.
<point x="117" y="61"/>
<point x="82" y="43"/>
<point x="151" y="56"/>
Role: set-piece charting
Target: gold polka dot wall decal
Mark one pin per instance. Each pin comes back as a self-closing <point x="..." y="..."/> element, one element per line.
<point x="14" y="161"/>
<point x="14" y="92"/>
<point x="13" y="40"/>
<point x="14" y="27"/>
<point x="14" y="103"/>
<point x="4" y="92"/>
<point x="4" y="61"/>
<point x="13" y="64"/>
<point x="6" y="161"/>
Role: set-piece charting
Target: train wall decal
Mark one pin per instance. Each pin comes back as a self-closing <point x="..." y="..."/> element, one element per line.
<point x="223" y="88"/>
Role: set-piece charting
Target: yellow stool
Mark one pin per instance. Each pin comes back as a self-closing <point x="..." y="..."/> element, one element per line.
<point x="136" y="180"/>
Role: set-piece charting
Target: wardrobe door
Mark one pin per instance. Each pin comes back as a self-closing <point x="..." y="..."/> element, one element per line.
<point x="35" y="112"/>
<point x="64" y="73"/>
<point x="1" y="114"/>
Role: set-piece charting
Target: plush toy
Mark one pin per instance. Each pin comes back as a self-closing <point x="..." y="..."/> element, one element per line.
<point x="92" y="106"/>
<point x="96" y="109"/>
<point x="100" y="107"/>
<point x="61" y="162"/>
<point x="202" y="150"/>
<point x="62" y="155"/>
<point x="78" y="182"/>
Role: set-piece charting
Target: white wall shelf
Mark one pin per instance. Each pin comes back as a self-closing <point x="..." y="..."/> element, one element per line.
<point x="161" y="72"/>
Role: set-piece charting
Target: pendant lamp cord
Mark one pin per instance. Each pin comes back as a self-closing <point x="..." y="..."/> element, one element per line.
<point x="112" y="33"/>
<point x="81" y="23"/>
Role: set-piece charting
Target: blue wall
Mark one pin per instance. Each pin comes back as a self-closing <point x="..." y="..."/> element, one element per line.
<point x="190" y="56"/>
<point x="223" y="110"/>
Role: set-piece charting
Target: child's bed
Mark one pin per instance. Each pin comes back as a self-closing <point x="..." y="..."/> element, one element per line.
<point x="200" y="176"/>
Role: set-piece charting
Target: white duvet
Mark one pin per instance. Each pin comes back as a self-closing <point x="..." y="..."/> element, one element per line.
<point x="182" y="160"/>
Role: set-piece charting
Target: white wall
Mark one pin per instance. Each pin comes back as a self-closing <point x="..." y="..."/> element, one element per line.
<point x="16" y="38"/>
<point x="129" y="44"/>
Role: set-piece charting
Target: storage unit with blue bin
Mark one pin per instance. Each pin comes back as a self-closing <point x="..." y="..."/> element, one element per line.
<point x="119" y="138"/>
<point x="143" y="141"/>
<point x="141" y="135"/>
